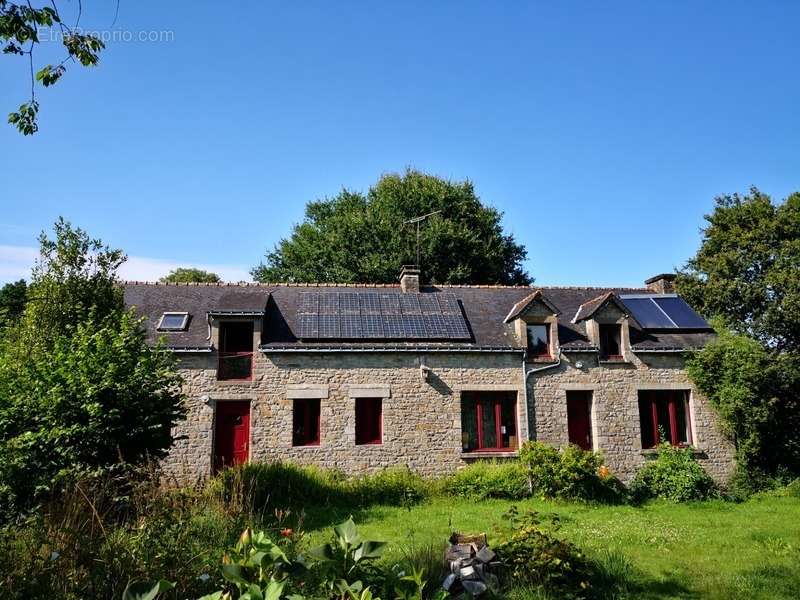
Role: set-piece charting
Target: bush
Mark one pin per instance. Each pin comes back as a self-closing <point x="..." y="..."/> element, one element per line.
<point x="486" y="479"/>
<point x="673" y="475"/>
<point x="569" y="474"/>
<point x="257" y="487"/>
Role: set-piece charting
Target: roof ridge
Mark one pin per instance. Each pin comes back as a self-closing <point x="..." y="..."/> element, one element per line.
<point x="258" y="284"/>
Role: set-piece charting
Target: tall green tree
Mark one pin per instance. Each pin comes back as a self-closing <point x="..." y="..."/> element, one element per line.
<point x="13" y="297"/>
<point x="190" y="275"/>
<point x="746" y="275"/>
<point x="80" y="389"/>
<point x="747" y="268"/>
<point x="360" y="238"/>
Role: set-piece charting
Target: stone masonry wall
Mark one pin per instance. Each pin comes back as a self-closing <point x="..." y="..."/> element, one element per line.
<point x="615" y="409"/>
<point x="422" y="419"/>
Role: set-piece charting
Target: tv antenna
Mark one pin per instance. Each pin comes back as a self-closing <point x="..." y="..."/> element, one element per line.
<point x="417" y="221"/>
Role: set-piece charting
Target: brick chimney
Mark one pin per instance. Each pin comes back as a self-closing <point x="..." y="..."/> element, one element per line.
<point x="409" y="279"/>
<point x="661" y="284"/>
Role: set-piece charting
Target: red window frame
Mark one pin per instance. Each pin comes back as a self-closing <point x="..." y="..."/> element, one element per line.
<point x="235" y="356"/>
<point x="496" y="401"/>
<point x="610" y="332"/>
<point x="677" y="402"/>
<point x="546" y="353"/>
<point x="369" y="421"/>
<point x="306" y="422"/>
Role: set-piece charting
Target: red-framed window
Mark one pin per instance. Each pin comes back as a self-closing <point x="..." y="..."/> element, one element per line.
<point x="664" y="414"/>
<point x="579" y="418"/>
<point x="539" y="341"/>
<point x="610" y="341"/>
<point x="305" y="422"/>
<point x="235" y="350"/>
<point x="369" y="421"/>
<point x="488" y="421"/>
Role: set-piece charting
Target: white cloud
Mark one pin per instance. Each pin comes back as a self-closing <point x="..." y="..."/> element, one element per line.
<point x="16" y="262"/>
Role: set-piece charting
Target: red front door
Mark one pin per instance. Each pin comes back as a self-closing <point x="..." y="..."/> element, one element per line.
<point x="232" y="434"/>
<point x="579" y="419"/>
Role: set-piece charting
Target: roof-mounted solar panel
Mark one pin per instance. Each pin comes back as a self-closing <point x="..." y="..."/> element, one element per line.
<point x="663" y="311"/>
<point x="370" y="315"/>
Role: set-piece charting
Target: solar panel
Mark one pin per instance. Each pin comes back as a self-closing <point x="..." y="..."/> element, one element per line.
<point x="409" y="304"/>
<point x="648" y="314"/>
<point x="307" y="326"/>
<point x="681" y="313"/>
<point x="329" y="326"/>
<point x="350" y="326"/>
<point x="329" y="304"/>
<point x="390" y="304"/>
<point x="370" y="315"/>
<point x="448" y="304"/>
<point x="428" y="304"/>
<point x="348" y="303"/>
<point x="309" y="303"/>
<point x="370" y="304"/>
<point x="663" y="312"/>
<point x="372" y="326"/>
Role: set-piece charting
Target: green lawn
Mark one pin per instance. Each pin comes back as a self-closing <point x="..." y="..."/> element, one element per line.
<point x="704" y="550"/>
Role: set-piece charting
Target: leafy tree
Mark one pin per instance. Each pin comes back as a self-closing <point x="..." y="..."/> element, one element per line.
<point x="189" y="275"/>
<point x="80" y="388"/>
<point x="21" y="28"/>
<point x="13" y="297"/>
<point x="755" y="392"/>
<point x="354" y="237"/>
<point x="747" y="268"/>
<point x="73" y="274"/>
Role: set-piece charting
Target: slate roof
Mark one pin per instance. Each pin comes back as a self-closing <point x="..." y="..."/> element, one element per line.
<point x="485" y="308"/>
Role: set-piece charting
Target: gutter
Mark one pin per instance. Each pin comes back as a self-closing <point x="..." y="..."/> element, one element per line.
<point x="371" y="349"/>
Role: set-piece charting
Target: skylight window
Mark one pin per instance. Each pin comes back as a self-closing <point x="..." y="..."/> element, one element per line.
<point x="173" y="321"/>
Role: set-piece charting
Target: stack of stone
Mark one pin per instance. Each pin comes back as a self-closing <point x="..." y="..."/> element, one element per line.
<point x="471" y="562"/>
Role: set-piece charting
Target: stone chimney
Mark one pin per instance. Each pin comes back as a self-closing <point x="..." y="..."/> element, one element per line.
<point x="661" y="284"/>
<point x="409" y="278"/>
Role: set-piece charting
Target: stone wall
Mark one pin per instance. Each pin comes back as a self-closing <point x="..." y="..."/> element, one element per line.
<point x="422" y="419"/>
<point x="615" y="409"/>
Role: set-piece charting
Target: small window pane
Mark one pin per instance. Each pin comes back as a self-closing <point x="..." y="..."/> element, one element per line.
<point x="539" y="340"/>
<point x="305" y="422"/>
<point x="173" y="321"/>
<point x="610" y="341"/>
<point x="368" y="421"/>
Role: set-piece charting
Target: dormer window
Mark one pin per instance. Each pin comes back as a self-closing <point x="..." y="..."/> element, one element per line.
<point x="235" y="350"/>
<point x="539" y="341"/>
<point x="610" y="341"/>
<point x="173" y="321"/>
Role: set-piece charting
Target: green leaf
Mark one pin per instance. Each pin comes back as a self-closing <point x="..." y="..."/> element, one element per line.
<point x="214" y="596"/>
<point x="146" y="590"/>
<point x="235" y="574"/>
<point x="369" y="549"/>
<point x="274" y="590"/>
<point x="347" y="531"/>
<point x="324" y="552"/>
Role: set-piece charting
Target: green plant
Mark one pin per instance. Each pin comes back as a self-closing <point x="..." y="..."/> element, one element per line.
<point x="348" y="557"/>
<point x="485" y="479"/>
<point x="673" y="475"/>
<point x="146" y="590"/>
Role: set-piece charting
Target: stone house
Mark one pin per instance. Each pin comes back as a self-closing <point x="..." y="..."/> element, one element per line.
<point x="362" y="377"/>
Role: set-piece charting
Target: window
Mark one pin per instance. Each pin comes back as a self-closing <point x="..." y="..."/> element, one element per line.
<point x="368" y="421"/>
<point x="488" y="421"/>
<point x="664" y="414"/>
<point x="539" y="341"/>
<point x="173" y="321"/>
<point x="610" y="344"/>
<point x="305" y="422"/>
<point x="235" y="350"/>
<point x="579" y="418"/>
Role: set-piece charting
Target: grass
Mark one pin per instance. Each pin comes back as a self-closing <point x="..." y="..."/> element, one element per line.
<point x="710" y="549"/>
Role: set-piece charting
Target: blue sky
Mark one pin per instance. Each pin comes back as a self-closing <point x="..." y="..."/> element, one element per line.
<point x="602" y="130"/>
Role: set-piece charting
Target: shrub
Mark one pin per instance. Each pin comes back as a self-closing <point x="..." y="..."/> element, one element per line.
<point x="397" y="486"/>
<point x="673" y="475"/>
<point x="569" y="474"/>
<point x="488" y="480"/>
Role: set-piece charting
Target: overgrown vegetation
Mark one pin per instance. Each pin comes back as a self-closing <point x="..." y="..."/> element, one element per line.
<point x="745" y="274"/>
<point x="81" y="391"/>
<point x="673" y="475"/>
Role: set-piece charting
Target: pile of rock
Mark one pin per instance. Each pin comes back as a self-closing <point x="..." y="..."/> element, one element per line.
<point x="471" y="562"/>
